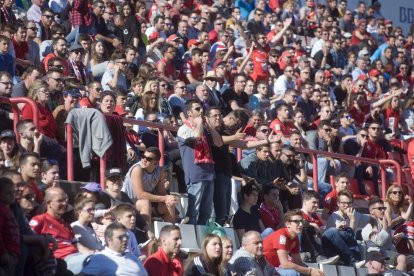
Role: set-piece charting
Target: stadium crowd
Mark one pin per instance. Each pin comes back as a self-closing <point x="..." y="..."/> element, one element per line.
<point x="267" y="77"/>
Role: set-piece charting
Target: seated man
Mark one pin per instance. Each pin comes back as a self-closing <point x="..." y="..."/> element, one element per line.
<point x="312" y="230"/>
<point x="145" y="184"/>
<point x="271" y="209"/>
<point x="377" y="235"/>
<point x="330" y="203"/>
<point x="339" y="236"/>
<point x="68" y="250"/>
<point x="114" y="259"/>
<point x="281" y="248"/>
<point x="166" y="261"/>
<point x="249" y="259"/>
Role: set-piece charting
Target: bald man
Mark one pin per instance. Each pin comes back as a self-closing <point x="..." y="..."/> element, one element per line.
<point x="51" y="223"/>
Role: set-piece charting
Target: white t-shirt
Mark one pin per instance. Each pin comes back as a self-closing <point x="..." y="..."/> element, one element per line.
<point x="86" y="236"/>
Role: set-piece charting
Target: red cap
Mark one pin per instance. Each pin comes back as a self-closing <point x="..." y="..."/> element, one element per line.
<point x="172" y="38"/>
<point x="192" y="42"/>
<point x="374" y="73"/>
<point x="153" y="36"/>
<point x="362" y="77"/>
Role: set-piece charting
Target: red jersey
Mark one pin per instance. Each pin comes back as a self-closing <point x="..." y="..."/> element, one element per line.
<point x="359" y="115"/>
<point x="64" y="61"/>
<point x="392" y="118"/>
<point x="47" y="124"/>
<point x="410" y="156"/>
<point x="312" y="218"/>
<point x="20" y="49"/>
<point x="373" y="150"/>
<point x="195" y="70"/>
<point x="85" y="102"/>
<point x="269" y="216"/>
<point x="160" y="264"/>
<point x="330" y="202"/>
<point x="59" y="230"/>
<point x="279" y="240"/>
<point x="250" y="130"/>
<point x="279" y="128"/>
<point x="259" y="59"/>
<point x="169" y="69"/>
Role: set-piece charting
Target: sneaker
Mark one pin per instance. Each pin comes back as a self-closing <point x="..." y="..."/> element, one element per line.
<point x="327" y="261"/>
<point x="359" y="264"/>
<point x="305" y="256"/>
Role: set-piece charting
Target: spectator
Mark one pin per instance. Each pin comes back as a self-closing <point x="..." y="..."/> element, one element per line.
<point x="271" y="209"/>
<point x="145" y="184"/>
<point x="49" y="175"/>
<point x="6" y="60"/>
<point x="30" y="138"/>
<point x="236" y="98"/>
<point x="30" y="75"/>
<point x="115" y="77"/>
<point x="91" y="101"/>
<point x="331" y="200"/>
<point x="166" y="261"/>
<point x="195" y="149"/>
<point x="278" y="246"/>
<point x="284" y="82"/>
<point x="210" y="258"/>
<point x="59" y="46"/>
<point x="115" y="258"/>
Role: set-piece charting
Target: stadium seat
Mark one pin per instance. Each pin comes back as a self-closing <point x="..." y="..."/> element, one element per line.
<point x="232" y="235"/>
<point x="346" y="271"/>
<point x="158" y="225"/>
<point x="188" y="238"/>
<point x="329" y="270"/>
<point x="361" y="271"/>
<point x="201" y="231"/>
<point x="313" y="265"/>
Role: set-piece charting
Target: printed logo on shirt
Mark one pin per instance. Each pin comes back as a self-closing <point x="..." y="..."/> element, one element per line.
<point x="282" y="240"/>
<point x="33" y="223"/>
<point x="277" y="127"/>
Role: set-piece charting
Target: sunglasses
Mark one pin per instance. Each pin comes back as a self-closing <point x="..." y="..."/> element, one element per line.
<point x="297" y="221"/>
<point x="380" y="208"/>
<point x="89" y="210"/>
<point x="122" y="237"/>
<point x="182" y="87"/>
<point x="29" y="197"/>
<point x="327" y="129"/>
<point x="149" y="159"/>
<point x="265" y="130"/>
<point x="397" y="192"/>
<point x="48" y="16"/>
<point x="364" y="135"/>
<point x="197" y="108"/>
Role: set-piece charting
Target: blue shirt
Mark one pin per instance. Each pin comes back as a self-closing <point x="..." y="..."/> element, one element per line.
<point x="7" y="63"/>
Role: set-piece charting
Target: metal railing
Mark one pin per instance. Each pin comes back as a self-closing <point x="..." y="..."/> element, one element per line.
<point x="16" y="112"/>
<point x="313" y="153"/>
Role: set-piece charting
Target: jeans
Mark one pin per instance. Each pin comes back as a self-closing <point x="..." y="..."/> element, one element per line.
<point x="222" y="197"/>
<point x="287" y="272"/>
<point x="323" y="188"/>
<point x="310" y="242"/>
<point x="200" y="202"/>
<point x="324" y="167"/>
<point x="342" y="243"/>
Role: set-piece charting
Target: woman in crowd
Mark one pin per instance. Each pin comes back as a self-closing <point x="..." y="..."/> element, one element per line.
<point x="227" y="254"/>
<point x="49" y="173"/>
<point x="130" y="22"/>
<point x="149" y="103"/>
<point x="98" y="53"/>
<point x="299" y="122"/>
<point x="85" y="210"/>
<point x="108" y="102"/>
<point x="210" y="259"/>
<point x="39" y="92"/>
<point x="10" y="149"/>
<point x="399" y="217"/>
<point x="140" y="12"/>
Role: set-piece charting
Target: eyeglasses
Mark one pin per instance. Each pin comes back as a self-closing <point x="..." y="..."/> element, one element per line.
<point x="297" y="221"/>
<point x="29" y="197"/>
<point x="197" y="108"/>
<point x="364" y="136"/>
<point x="380" y="208"/>
<point x="101" y="7"/>
<point x="327" y="129"/>
<point x="89" y="210"/>
<point x="216" y="115"/>
<point x="163" y="85"/>
<point x="397" y="192"/>
<point x="290" y="156"/>
<point x="265" y="130"/>
<point x="154" y="121"/>
<point x="149" y="159"/>
<point x="57" y="79"/>
<point x="98" y="88"/>
<point x="123" y="236"/>
<point x="7" y="83"/>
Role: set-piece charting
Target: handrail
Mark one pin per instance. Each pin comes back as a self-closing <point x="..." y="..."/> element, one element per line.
<point x="314" y="153"/>
<point x="13" y="102"/>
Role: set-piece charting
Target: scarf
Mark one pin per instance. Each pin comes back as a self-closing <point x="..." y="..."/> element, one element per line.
<point x="202" y="153"/>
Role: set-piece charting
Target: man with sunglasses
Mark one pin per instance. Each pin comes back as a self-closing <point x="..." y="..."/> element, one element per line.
<point x="115" y="259"/>
<point x="145" y="184"/>
<point x="282" y="248"/>
<point x="114" y="76"/>
<point x="377" y="234"/>
<point x="94" y="94"/>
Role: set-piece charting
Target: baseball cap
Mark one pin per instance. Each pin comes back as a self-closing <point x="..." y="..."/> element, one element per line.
<point x="75" y="46"/>
<point x="8" y="133"/>
<point x="374" y="73"/>
<point x="92" y="187"/>
<point x="114" y="172"/>
<point x="172" y="38"/>
<point x="363" y="52"/>
<point x="376" y="256"/>
<point x="192" y="42"/>
<point x="153" y="36"/>
<point x="74" y="92"/>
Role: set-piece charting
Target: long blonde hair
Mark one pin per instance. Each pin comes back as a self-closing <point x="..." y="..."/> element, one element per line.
<point x="36" y="86"/>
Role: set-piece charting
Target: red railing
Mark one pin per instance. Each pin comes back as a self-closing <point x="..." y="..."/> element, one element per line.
<point x="13" y="102"/>
<point x="313" y="153"/>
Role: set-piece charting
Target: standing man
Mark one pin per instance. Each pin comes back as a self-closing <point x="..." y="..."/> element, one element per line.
<point x="281" y="248"/>
<point x="195" y="139"/>
<point x="166" y="261"/>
